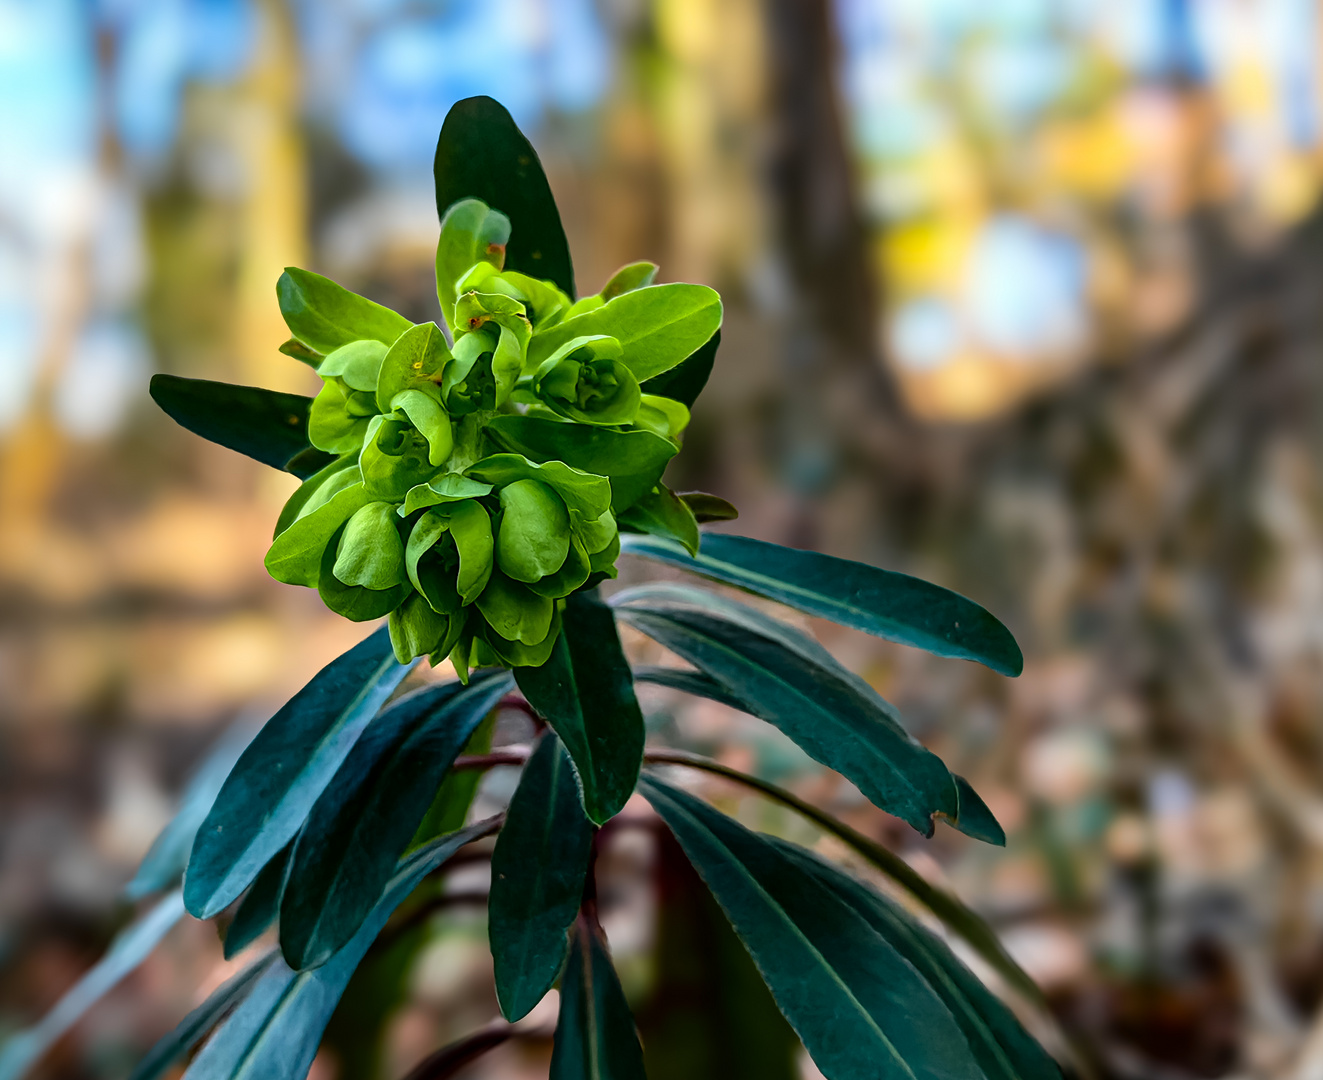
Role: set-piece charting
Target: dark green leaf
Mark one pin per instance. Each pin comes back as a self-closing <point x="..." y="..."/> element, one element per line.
<point x="276" y="1030"/>
<point x="129" y="949"/>
<point x="268" y="426"/>
<point x="369" y="812"/>
<point x="197" y="1025"/>
<point x="259" y="907"/>
<point x="861" y="1009"/>
<point x="595" y="1034"/>
<point x="451" y="1059"/>
<point x="975" y="819"/>
<point x="893" y="606"/>
<point x="275" y="783"/>
<point x="662" y="513"/>
<point x="481" y="154"/>
<point x="585" y="691"/>
<point x="538" y="870"/>
<point x="632" y="460"/>
<point x="450" y="807"/>
<point x="324" y="315"/>
<point x="686" y="380"/>
<point x="1003" y="1049"/>
<point x="707" y="507"/>
<point x="789" y="680"/>
<point x="691" y="682"/>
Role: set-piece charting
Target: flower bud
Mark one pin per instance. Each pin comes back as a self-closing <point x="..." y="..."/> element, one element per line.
<point x="584" y="380"/>
<point x="371" y="553"/>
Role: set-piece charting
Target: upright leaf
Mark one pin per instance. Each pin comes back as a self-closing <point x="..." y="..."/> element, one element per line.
<point x="595" y="1034"/>
<point x="585" y="691"/>
<point x="482" y="154"/>
<point x="268" y="426"/>
<point x="325" y="315"/>
<point x="538" y="872"/>
<point x="365" y="818"/>
<point x="888" y="605"/>
<point x="285" y="768"/>
<point x="789" y="680"/>
<point x="862" y="1011"/>
<point x="276" y="1030"/>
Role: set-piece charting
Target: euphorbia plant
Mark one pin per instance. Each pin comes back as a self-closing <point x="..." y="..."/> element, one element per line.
<point x="474" y="484"/>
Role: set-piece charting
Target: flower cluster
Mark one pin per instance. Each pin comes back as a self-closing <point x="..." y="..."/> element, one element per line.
<point x="482" y="476"/>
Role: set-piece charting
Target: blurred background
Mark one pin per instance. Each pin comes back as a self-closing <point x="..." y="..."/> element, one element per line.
<point x="1023" y="296"/>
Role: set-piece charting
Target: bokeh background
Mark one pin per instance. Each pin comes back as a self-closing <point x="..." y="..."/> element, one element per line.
<point x="1023" y="296"/>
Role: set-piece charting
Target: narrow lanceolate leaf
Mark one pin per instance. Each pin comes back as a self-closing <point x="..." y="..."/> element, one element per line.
<point x="285" y="768"/>
<point x="276" y="1030"/>
<point x="126" y="952"/>
<point x="482" y="154"/>
<point x="198" y="1024"/>
<point x="164" y="863"/>
<point x="538" y="871"/>
<point x="265" y="425"/>
<point x="585" y="691"/>
<point x="888" y="605"/>
<point x="787" y="679"/>
<point x="367" y="815"/>
<point x="452" y="1059"/>
<point x="259" y="907"/>
<point x="975" y="819"/>
<point x="861" y="1009"/>
<point x="691" y="682"/>
<point x="595" y="1034"/>
<point x="997" y="1040"/>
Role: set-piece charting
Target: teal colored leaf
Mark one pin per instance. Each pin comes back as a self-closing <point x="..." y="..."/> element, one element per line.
<point x="657" y="327"/>
<point x="787" y="679"/>
<point x="259" y="907"/>
<point x="585" y="691"/>
<point x="450" y="807"/>
<point x="663" y="513"/>
<point x="685" y="381"/>
<point x="366" y="816"/>
<point x="276" y="1030"/>
<point x="265" y="425"/>
<point x="324" y="315"/>
<point x="129" y="949"/>
<point x="268" y="794"/>
<point x="595" y="1034"/>
<point x="198" y="1024"/>
<point x="632" y="460"/>
<point x="974" y="818"/>
<point x="481" y="154"/>
<point x="538" y="872"/>
<point x="861" y="1009"/>
<point x="888" y="605"/>
<point x="690" y="682"/>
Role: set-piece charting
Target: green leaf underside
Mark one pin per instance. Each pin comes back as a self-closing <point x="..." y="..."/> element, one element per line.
<point x="259" y="907"/>
<point x="888" y="605"/>
<point x="275" y="1032"/>
<point x="265" y="425"/>
<point x="364" y="820"/>
<point x="788" y="680"/>
<point x="595" y="1034"/>
<point x="686" y="380"/>
<point x="198" y="1024"/>
<point x="706" y="507"/>
<point x="482" y="154"/>
<point x="862" y="1011"/>
<point x="275" y="783"/>
<point x="538" y="872"/>
<point x="129" y="949"/>
<point x="585" y="691"/>
<point x="632" y="460"/>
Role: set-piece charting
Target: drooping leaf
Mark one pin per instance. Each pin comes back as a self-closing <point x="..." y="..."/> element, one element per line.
<point x="632" y="460"/>
<point x="259" y="907"/>
<point x="450" y="806"/>
<point x="663" y="513"/>
<point x="451" y="1060"/>
<point x="366" y="816"/>
<point x="482" y="154"/>
<point x="268" y="426"/>
<point x="325" y="315"/>
<point x="276" y="1030"/>
<point x="691" y="682"/>
<point x="862" y="1011"/>
<point x="975" y="819"/>
<point x="129" y="949"/>
<point x="686" y="380"/>
<point x="585" y="691"/>
<point x="268" y="794"/>
<point x="198" y="1024"/>
<point x="707" y="507"/>
<point x="888" y="605"/>
<point x="595" y="1034"/>
<point x="789" y="680"/>
<point x="538" y="872"/>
